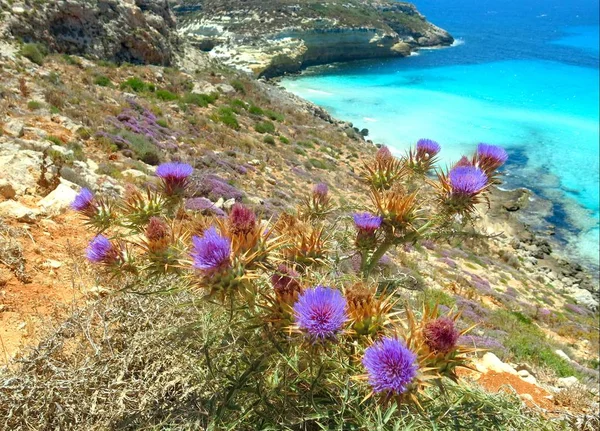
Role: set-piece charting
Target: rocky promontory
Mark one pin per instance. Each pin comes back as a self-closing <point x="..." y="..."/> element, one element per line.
<point x="276" y="37"/>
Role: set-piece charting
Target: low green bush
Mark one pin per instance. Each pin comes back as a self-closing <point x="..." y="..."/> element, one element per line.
<point x="135" y="84"/>
<point x="34" y="52"/>
<point x="265" y="127"/>
<point x="166" y="95"/>
<point x="102" y="81"/>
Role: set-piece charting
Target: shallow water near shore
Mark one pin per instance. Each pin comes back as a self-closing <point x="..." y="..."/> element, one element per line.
<point x="523" y="75"/>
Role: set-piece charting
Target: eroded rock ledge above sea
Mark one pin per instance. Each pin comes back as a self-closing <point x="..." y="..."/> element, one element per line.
<point x="276" y="37"/>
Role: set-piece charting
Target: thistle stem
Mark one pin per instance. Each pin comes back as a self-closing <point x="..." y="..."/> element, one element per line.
<point x="378" y="254"/>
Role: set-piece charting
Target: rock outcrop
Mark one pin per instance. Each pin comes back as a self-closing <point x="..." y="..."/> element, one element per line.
<point x="134" y="31"/>
<point x="272" y="38"/>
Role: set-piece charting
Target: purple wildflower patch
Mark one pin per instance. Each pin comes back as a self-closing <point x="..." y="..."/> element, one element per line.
<point x="203" y="204"/>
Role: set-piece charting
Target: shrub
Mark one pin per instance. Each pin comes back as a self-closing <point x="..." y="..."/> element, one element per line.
<point x="34" y="52"/>
<point x="55" y="140"/>
<point x="226" y="116"/>
<point x="78" y="153"/>
<point x="142" y="147"/>
<point x="265" y="127"/>
<point x="238" y="86"/>
<point x="238" y="105"/>
<point x="201" y="100"/>
<point x="134" y="84"/>
<point x="275" y="116"/>
<point x="253" y="109"/>
<point x="109" y="169"/>
<point x="284" y="140"/>
<point x="103" y="81"/>
<point x="319" y="164"/>
<point x="166" y="95"/>
<point x="34" y="105"/>
<point x="268" y="139"/>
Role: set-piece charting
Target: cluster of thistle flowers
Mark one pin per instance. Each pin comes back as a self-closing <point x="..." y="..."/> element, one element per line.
<point x="139" y="220"/>
<point x="401" y="357"/>
<point x="410" y="207"/>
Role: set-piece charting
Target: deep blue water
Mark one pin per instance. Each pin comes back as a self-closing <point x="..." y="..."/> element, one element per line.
<point x="523" y="74"/>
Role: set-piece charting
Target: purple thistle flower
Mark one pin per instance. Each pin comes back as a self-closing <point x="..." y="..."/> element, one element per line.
<point x="174" y="176"/>
<point x="367" y="222"/>
<point x="320" y="312"/>
<point x="84" y="201"/>
<point x="491" y="157"/>
<point x="211" y="252"/>
<point x="467" y="180"/>
<point x="320" y="190"/>
<point x="440" y="334"/>
<point x="426" y="149"/>
<point x="101" y="250"/>
<point x="391" y="366"/>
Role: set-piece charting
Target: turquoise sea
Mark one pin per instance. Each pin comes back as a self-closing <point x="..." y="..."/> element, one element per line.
<point x="522" y="74"/>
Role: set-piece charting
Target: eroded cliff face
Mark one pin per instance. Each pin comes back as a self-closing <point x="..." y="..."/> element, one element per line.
<point x="272" y="38"/>
<point x="134" y="31"/>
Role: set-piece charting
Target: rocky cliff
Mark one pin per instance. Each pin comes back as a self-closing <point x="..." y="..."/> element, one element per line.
<point x="271" y="38"/>
<point x="134" y="31"/>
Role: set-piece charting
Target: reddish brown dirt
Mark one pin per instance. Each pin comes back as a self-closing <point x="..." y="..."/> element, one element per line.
<point x="496" y="382"/>
<point x="52" y="250"/>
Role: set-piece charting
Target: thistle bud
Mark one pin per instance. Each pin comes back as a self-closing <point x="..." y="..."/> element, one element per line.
<point x="440" y="335"/>
<point x="157" y="234"/>
<point x="286" y="283"/>
<point x="242" y="220"/>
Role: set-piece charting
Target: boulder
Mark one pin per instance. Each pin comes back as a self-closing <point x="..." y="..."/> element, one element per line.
<point x="490" y="362"/>
<point x="6" y="189"/>
<point x="20" y="168"/>
<point x="566" y="382"/>
<point x="17" y="211"/>
<point x="59" y="199"/>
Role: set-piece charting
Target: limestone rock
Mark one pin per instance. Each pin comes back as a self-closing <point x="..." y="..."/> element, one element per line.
<point x="6" y="189"/>
<point x="563" y="355"/>
<point x="566" y="382"/>
<point x="490" y="362"/>
<point x="133" y="174"/>
<point x="20" y="168"/>
<point x="58" y="200"/>
<point x="19" y="212"/>
<point x="228" y="204"/>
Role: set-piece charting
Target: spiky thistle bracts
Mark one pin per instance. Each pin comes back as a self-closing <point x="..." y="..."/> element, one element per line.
<point x="440" y="335"/>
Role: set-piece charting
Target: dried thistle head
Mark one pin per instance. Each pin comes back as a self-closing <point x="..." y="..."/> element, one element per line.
<point x="138" y="208"/>
<point x="157" y="234"/>
<point x="399" y="210"/>
<point x="369" y="313"/>
<point x="306" y="243"/>
<point x="383" y="171"/>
